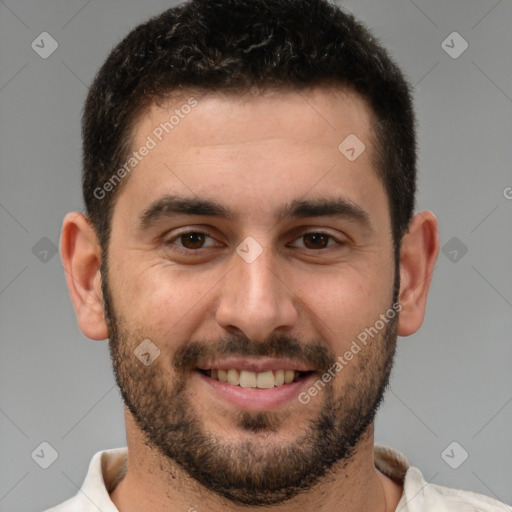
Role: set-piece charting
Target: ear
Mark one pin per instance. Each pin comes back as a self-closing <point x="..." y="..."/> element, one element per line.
<point x="81" y="256"/>
<point x="418" y="255"/>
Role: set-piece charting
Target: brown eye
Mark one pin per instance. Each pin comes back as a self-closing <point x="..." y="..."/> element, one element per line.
<point x="316" y="240"/>
<point x="192" y="240"/>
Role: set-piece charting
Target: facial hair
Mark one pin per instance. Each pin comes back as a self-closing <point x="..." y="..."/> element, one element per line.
<point x="248" y="472"/>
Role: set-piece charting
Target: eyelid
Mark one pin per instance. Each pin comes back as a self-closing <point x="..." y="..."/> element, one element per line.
<point x="320" y="232"/>
<point x="186" y="231"/>
<point x="298" y="234"/>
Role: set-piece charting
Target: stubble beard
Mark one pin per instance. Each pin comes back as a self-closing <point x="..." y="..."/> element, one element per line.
<point x="250" y="471"/>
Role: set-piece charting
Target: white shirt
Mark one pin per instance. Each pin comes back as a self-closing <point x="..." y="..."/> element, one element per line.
<point x="108" y="467"/>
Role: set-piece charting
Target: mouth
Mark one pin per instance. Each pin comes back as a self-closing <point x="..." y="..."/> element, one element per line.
<point x="250" y="384"/>
<point x="250" y="379"/>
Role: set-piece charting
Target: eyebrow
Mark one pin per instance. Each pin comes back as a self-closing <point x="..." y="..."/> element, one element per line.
<point x="169" y="206"/>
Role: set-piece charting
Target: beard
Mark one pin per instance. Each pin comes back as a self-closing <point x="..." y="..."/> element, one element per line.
<point x="252" y="470"/>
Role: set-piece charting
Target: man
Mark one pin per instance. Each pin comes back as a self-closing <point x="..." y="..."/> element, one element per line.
<point x="251" y="253"/>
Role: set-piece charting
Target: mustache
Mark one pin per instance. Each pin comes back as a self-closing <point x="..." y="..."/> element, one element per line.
<point x="314" y="354"/>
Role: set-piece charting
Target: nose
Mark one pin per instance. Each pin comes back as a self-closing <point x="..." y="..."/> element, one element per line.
<point x="256" y="299"/>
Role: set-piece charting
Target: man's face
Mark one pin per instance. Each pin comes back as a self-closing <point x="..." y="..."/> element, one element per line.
<point x="293" y="296"/>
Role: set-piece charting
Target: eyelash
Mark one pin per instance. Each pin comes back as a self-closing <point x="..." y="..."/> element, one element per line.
<point x="170" y="242"/>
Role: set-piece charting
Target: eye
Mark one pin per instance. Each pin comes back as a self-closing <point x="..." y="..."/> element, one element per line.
<point x="317" y="240"/>
<point x="190" y="240"/>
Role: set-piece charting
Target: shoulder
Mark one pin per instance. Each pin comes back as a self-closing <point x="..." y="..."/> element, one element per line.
<point x="106" y="468"/>
<point x="422" y="496"/>
<point x="70" y="505"/>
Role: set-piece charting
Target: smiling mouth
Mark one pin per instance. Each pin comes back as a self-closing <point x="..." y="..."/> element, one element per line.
<point x="261" y="380"/>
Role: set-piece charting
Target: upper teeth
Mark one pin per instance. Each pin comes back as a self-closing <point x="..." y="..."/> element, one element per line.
<point x="262" y="380"/>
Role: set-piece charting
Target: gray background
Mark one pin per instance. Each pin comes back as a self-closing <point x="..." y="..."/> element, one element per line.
<point x="452" y="380"/>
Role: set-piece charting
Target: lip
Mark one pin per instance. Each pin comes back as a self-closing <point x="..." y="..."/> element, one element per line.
<point x="254" y="399"/>
<point x="263" y="364"/>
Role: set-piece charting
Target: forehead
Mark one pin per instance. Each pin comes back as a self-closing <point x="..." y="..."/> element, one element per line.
<point x="302" y="115"/>
<point x="270" y="148"/>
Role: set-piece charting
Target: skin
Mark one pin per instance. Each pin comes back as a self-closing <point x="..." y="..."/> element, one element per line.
<point x="253" y="154"/>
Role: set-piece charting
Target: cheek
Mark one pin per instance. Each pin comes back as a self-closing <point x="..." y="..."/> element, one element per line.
<point x="343" y="304"/>
<point x="164" y="300"/>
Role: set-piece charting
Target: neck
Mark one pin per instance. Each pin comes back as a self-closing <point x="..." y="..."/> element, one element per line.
<point x="157" y="485"/>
